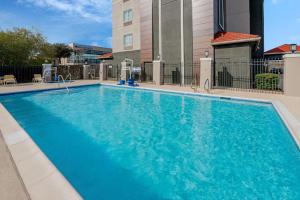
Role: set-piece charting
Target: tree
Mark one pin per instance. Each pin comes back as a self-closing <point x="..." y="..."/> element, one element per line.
<point x="62" y="51"/>
<point x="20" y="46"/>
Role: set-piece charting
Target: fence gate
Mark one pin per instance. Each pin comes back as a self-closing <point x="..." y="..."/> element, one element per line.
<point x="113" y="72"/>
<point x="261" y="74"/>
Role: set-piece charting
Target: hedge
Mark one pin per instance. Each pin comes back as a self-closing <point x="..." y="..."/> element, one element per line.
<point x="267" y="81"/>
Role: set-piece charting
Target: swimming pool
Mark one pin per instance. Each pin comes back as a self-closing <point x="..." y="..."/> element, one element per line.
<point x="117" y="143"/>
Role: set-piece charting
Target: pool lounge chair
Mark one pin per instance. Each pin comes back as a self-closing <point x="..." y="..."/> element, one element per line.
<point x="9" y="79"/>
<point x="37" y="78"/>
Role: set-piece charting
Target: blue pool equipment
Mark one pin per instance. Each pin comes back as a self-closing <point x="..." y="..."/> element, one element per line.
<point x="122" y="82"/>
<point x="55" y="77"/>
<point x="132" y="83"/>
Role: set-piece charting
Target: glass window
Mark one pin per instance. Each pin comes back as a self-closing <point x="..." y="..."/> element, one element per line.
<point x="221" y="14"/>
<point x="128" y="40"/>
<point x="127" y="16"/>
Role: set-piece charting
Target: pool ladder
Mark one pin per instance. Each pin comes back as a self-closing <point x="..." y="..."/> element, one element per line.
<point x="60" y="77"/>
<point x="207" y="86"/>
<point x="194" y="85"/>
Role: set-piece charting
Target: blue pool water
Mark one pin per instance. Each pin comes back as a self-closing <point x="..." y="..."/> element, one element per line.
<point x="114" y="143"/>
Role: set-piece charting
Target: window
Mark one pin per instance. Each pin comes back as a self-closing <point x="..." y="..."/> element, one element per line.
<point x="127" y="16"/>
<point x="221" y="14"/>
<point x="128" y="41"/>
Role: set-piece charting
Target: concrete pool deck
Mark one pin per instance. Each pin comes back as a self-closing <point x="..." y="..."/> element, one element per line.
<point x="19" y="180"/>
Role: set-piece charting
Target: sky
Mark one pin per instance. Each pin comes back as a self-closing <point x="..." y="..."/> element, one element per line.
<point x="89" y="21"/>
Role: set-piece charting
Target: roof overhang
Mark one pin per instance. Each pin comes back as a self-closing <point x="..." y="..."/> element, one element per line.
<point x="257" y="39"/>
<point x="107" y="56"/>
<point x="281" y="53"/>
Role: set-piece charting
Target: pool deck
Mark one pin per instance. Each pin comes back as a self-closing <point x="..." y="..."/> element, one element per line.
<point x="26" y="173"/>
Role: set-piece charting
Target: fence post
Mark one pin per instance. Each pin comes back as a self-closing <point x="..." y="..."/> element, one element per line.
<point x="206" y="66"/>
<point x="291" y="75"/>
<point x="102" y="72"/>
<point x="158" y="72"/>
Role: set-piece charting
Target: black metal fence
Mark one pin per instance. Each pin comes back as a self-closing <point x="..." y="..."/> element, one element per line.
<point x="192" y="73"/>
<point x="172" y="74"/>
<point x="261" y="74"/>
<point x="147" y="72"/>
<point x="113" y="72"/>
<point x="23" y="74"/>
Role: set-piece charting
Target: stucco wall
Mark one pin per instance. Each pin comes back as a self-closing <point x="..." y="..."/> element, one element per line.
<point x="120" y="56"/>
<point x="233" y="52"/>
<point x="171" y="37"/>
<point x="118" y="28"/>
<point x="291" y="75"/>
<point x="232" y="67"/>
<point x="238" y="16"/>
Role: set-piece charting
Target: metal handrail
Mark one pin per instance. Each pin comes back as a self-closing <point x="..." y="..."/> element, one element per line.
<point x="64" y="82"/>
<point x="207" y="84"/>
<point x="69" y="76"/>
<point x="194" y="85"/>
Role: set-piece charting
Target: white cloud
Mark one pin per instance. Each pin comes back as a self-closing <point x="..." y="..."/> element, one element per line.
<point x="95" y="44"/>
<point x="93" y="10"/>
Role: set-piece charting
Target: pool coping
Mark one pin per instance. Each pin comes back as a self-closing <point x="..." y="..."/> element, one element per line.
<point x="46" y="181"/>
<point x="47" y="89"/>
<point x="41" y="178"/>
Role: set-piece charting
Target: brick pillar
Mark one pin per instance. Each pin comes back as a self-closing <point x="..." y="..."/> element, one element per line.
<point x="291" y="82"/>
<point x="158" y="72"/>
<point x="206" y="67"/>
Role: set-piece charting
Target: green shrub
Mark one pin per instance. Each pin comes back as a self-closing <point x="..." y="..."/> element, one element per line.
<point x="267" y="81"/>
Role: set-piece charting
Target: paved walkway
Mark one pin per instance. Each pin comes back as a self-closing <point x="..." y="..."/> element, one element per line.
<point x="11" y="186"/>
<point x="43" y="86"/>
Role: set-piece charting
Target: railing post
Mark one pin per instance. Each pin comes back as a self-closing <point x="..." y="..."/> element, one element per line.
<point x="206" y="67"/>
<point x="158" y="72"/>
<point x="291" y="75"/>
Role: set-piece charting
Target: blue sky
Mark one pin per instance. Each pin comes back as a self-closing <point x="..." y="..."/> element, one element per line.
<point x="89" y="21"/>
